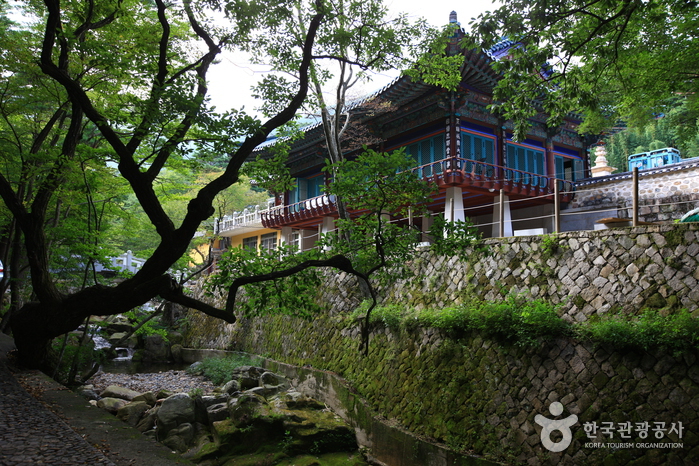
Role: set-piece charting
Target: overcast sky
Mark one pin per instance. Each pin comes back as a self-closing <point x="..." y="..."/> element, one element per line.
<point x="232" y="78"/>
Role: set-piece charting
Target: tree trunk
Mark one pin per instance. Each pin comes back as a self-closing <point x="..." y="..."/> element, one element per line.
<point x="36" y="323"/>
<point x="31" y="326"/>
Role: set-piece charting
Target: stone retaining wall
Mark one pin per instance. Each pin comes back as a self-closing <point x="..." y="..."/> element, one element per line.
<point x="665" y="193"/>
<point x="484" y="396"/>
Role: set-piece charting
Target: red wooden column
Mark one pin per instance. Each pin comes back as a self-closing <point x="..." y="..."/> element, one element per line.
<point x="499" y="155"/>
<point x="550" y="158"/>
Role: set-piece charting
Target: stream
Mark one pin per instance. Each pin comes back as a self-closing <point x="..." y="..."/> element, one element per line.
<point x="124" y="364"/>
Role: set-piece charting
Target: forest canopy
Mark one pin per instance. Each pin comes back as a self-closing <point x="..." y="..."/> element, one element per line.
<point x="629" y="61"/>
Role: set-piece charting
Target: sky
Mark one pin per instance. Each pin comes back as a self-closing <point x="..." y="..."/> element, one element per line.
<point x="231" y="79"/>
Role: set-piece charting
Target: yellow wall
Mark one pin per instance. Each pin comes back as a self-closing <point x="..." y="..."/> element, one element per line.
<point x="196" y="257"/>
<point x="237" y="241"/>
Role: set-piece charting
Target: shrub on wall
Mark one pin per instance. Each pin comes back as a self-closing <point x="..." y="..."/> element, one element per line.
<point x="524" y="322"/>
<point x="674" y="333"/>
<point x="515" y="319"/>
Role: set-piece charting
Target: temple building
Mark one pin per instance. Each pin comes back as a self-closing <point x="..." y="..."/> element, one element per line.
<point x="459" y="145"/>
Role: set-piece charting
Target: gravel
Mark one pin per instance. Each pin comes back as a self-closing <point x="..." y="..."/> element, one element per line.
<point x="174" y="381"/>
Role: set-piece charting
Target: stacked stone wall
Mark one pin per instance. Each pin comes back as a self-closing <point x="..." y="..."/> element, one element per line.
<point x="665" y="194"/>
<point x="484" y="396"/>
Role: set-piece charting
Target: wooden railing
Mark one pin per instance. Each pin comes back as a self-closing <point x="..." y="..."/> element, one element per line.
<point x="307" y="209"/>
<point x="446" y="172"/>
<point x="459" y="171"/>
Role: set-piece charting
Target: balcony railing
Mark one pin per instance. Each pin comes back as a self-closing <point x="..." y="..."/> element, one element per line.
<point x="307" y="209"/>
<point x="446" y="172"/>
<point x="466" y="172"/>
<point x="239" y="219"/>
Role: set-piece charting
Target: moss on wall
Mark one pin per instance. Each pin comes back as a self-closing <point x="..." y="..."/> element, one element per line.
<point x="482" y="396"/>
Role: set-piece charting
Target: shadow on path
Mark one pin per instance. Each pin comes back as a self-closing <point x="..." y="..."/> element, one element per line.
<point x="42" y="422"/>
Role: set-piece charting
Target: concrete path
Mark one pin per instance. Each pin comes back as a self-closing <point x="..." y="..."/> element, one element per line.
<point x="54" y="426"/>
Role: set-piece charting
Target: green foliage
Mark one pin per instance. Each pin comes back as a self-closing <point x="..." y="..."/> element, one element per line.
<point x="515" y="319"/>
<point x="150" y="327"/>
<point x="391" y="315"/>
<point x="219" y="370"/>
<point x="271" y="173"/>
<point x="196" y="392"/>
<point x="383" y="191"/>
<point x="294" y="295"/>
<point x="453" y="237"/>
<point x="675" y="333"/>
<point x="74" y="353"/>
<point x="379" y="182"/>
<point x="551" y="245"/>
<point x="524" y="322"/>
<point x="439" y="67"/>
<point x="609" y="60"/>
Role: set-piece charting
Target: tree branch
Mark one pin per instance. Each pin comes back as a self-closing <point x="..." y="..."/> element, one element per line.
<point x="338" y="261"/>
<point x="176" y="295"/>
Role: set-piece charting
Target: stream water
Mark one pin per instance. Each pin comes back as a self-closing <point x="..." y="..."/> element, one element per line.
<point x="123" y="363"/>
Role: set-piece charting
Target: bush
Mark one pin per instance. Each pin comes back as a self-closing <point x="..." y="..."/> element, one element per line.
<point x="391" y="316"/>
<point x="676" y="332"/>
<point x="525" y="322"/>
<point x="515" y="319"/>
<point x="219" y="370"/>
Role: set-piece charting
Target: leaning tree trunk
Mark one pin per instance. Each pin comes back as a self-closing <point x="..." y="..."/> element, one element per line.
<point x="35" y="324"/>
<point x="32" y="328"/>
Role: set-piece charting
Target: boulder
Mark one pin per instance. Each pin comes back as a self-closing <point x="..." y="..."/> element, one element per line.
<point x="244" y="408"/>
<point x="180" y="438"/>
<point x="88" y="392"/>
<point x="248" y="376"/>
<point x="217" y="412"/>
<point x="202" y="404"/>
<point x="111" y="405"/>
<point x="231" y="387"/>
<point x="306" y="427"/>
<point x="195" y="368"/>
<point x="270" y="390"/>
<point x="175" y="410"/>
<point x="312" y="427"/>
<point x="132" y="413"/>
<point x="162" y="394"/>
<point x="296" y="400"/>
<point x="147" y="422"/>
<point x="175" y="338"/>
<point x="115" y="391"/>
<point x="270" y="378"/>
<point x="148" y="397"/>
<point x="116" y="337"/>
<point x="176" y="352"/>
<point x="156" y="348"/>
<point x="119" y="327"/>
<point x="210" y="400"/>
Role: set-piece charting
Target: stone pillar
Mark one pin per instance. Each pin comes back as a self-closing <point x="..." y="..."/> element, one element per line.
<point x="327" y="227"/>
<point x="286" y="235"/>
<point x="427" y="221"/>
<point x="507" y="216"/>
<point x="454" y="205"/>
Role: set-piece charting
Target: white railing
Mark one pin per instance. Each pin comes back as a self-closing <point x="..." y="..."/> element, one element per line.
<point x="246" y="218"/>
